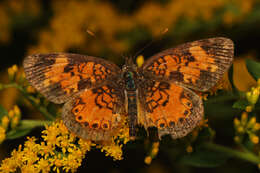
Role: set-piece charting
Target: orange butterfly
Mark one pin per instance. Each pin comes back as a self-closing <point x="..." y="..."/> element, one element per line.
<point x="98" y="94"/>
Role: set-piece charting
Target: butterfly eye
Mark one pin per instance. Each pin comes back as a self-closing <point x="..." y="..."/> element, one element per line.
<point x="161" y="123"/>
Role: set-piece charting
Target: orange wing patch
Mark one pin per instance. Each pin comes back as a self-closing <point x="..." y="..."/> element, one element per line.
<point x="172" y="109"/>
<point x="69" y="75"/>
<point x="95" y="114"/>
<point x="197" y="65"/>
<point x="59" y="76"/>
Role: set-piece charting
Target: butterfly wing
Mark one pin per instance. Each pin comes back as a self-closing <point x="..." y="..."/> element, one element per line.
<point x="196" y="65"/>
<point x="165" y="101"/>
<point x="95" y="114"/>
<point x="59" y="76"/>
<point x="173" y="109"/>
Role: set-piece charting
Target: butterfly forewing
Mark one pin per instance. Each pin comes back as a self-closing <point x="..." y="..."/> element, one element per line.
<point x="197" y="65"/>
<point x="58" y="76"/>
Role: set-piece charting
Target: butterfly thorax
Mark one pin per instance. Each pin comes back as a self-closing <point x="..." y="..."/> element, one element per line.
<point x="129" y="76"/>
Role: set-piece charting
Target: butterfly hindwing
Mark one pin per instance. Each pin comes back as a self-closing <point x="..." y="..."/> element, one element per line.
<point x="173" y="109"/>
<point x="58" y="76"/>
<point x="196" y="65"/>
<point x="95" y="114"/>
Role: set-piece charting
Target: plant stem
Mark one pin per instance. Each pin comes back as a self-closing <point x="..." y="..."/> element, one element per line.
<point x="245" y="155"/>
<point x="42" y="109"/>
<point x="34" y="123"/>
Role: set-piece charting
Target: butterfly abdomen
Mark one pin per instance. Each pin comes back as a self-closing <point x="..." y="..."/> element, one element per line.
<point x="131" y="99"/>
<point x="132" y="112"/>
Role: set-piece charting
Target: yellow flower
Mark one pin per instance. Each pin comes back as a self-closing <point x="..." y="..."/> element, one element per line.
<point x="155" y="148"/>
<point x="189" y="149"/>
<point x="140" y="60"/>
<point x="11" y="113"/>
<point x="251" y="123"/>
<point x="113" y="150"/>
<point x="2" y="134"/>
<point x="43" y="166"/>
<point x="256" y="127"/>
<point x="15" y="122"/>
<point x="17" y="110"/>
<point x="249" y="108"/>
<point x="254" y="139"/>
<point x="148" y="160"/>
<point x="5" y="122"/>
<point x="244" y="118"/>
<point x="236" y="122"/>
<point x="45" y="156"/>
<point x="237" y="139"/>
<point x="12" y="72"/>
<point x="30" y="89"/>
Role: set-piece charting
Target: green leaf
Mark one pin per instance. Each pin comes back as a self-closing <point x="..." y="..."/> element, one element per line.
<point x="230" y="77"/>
<point x="18" y="132"/>
<point x="25" y="127"/>
<point x="241" y="104"/>
<point x="204" y="158"/>
<point x="253" y="68"/>
<point x="3" y="111"/>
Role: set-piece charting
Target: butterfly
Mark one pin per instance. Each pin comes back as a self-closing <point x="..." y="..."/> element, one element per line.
<point x="98" y="94"/>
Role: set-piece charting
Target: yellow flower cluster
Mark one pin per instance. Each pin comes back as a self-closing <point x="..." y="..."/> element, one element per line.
<point x="12" y="72"/>
<point x="45" y="156"/>
<point x="253" y="96"/>
<point x="246" y="126"/>
<point x="11" y="120"/>
<point x="153" y="153"/>
<point x="59" y="151"/>
<point x="114" y="147"/>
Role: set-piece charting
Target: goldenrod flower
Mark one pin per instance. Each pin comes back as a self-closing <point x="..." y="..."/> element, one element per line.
<point x="15" y="121"/>
<point x="189" y="149"/>
<point x="251" y="123"/>
<point x="17" y="110"/>
<point x="140" y="60"/>
<point x="249" y="108"/>
<point x="5" y="122"/>
<point x="11" y="113"/>
<point x="113" y="150"/>
<point x="2" y="134"/>
<point x="237" y="139"/>
<point x="244" y="118"/>
<point x="254" y="139"/>
<point x="44" y="156"/>
<point x="12" y="72"/>
<point x="148" y="160"/>
<point x="30" y="89"/>
<point x="236" y="122"/>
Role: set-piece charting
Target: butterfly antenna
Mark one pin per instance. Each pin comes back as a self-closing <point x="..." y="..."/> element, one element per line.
<point x="151" y="42"/>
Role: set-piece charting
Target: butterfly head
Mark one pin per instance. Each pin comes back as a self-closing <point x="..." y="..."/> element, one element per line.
<point x="129" y="65"/>
<point x="129" y="72"/>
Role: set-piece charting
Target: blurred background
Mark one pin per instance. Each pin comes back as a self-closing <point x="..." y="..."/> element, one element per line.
<point x="112" y="29"/>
